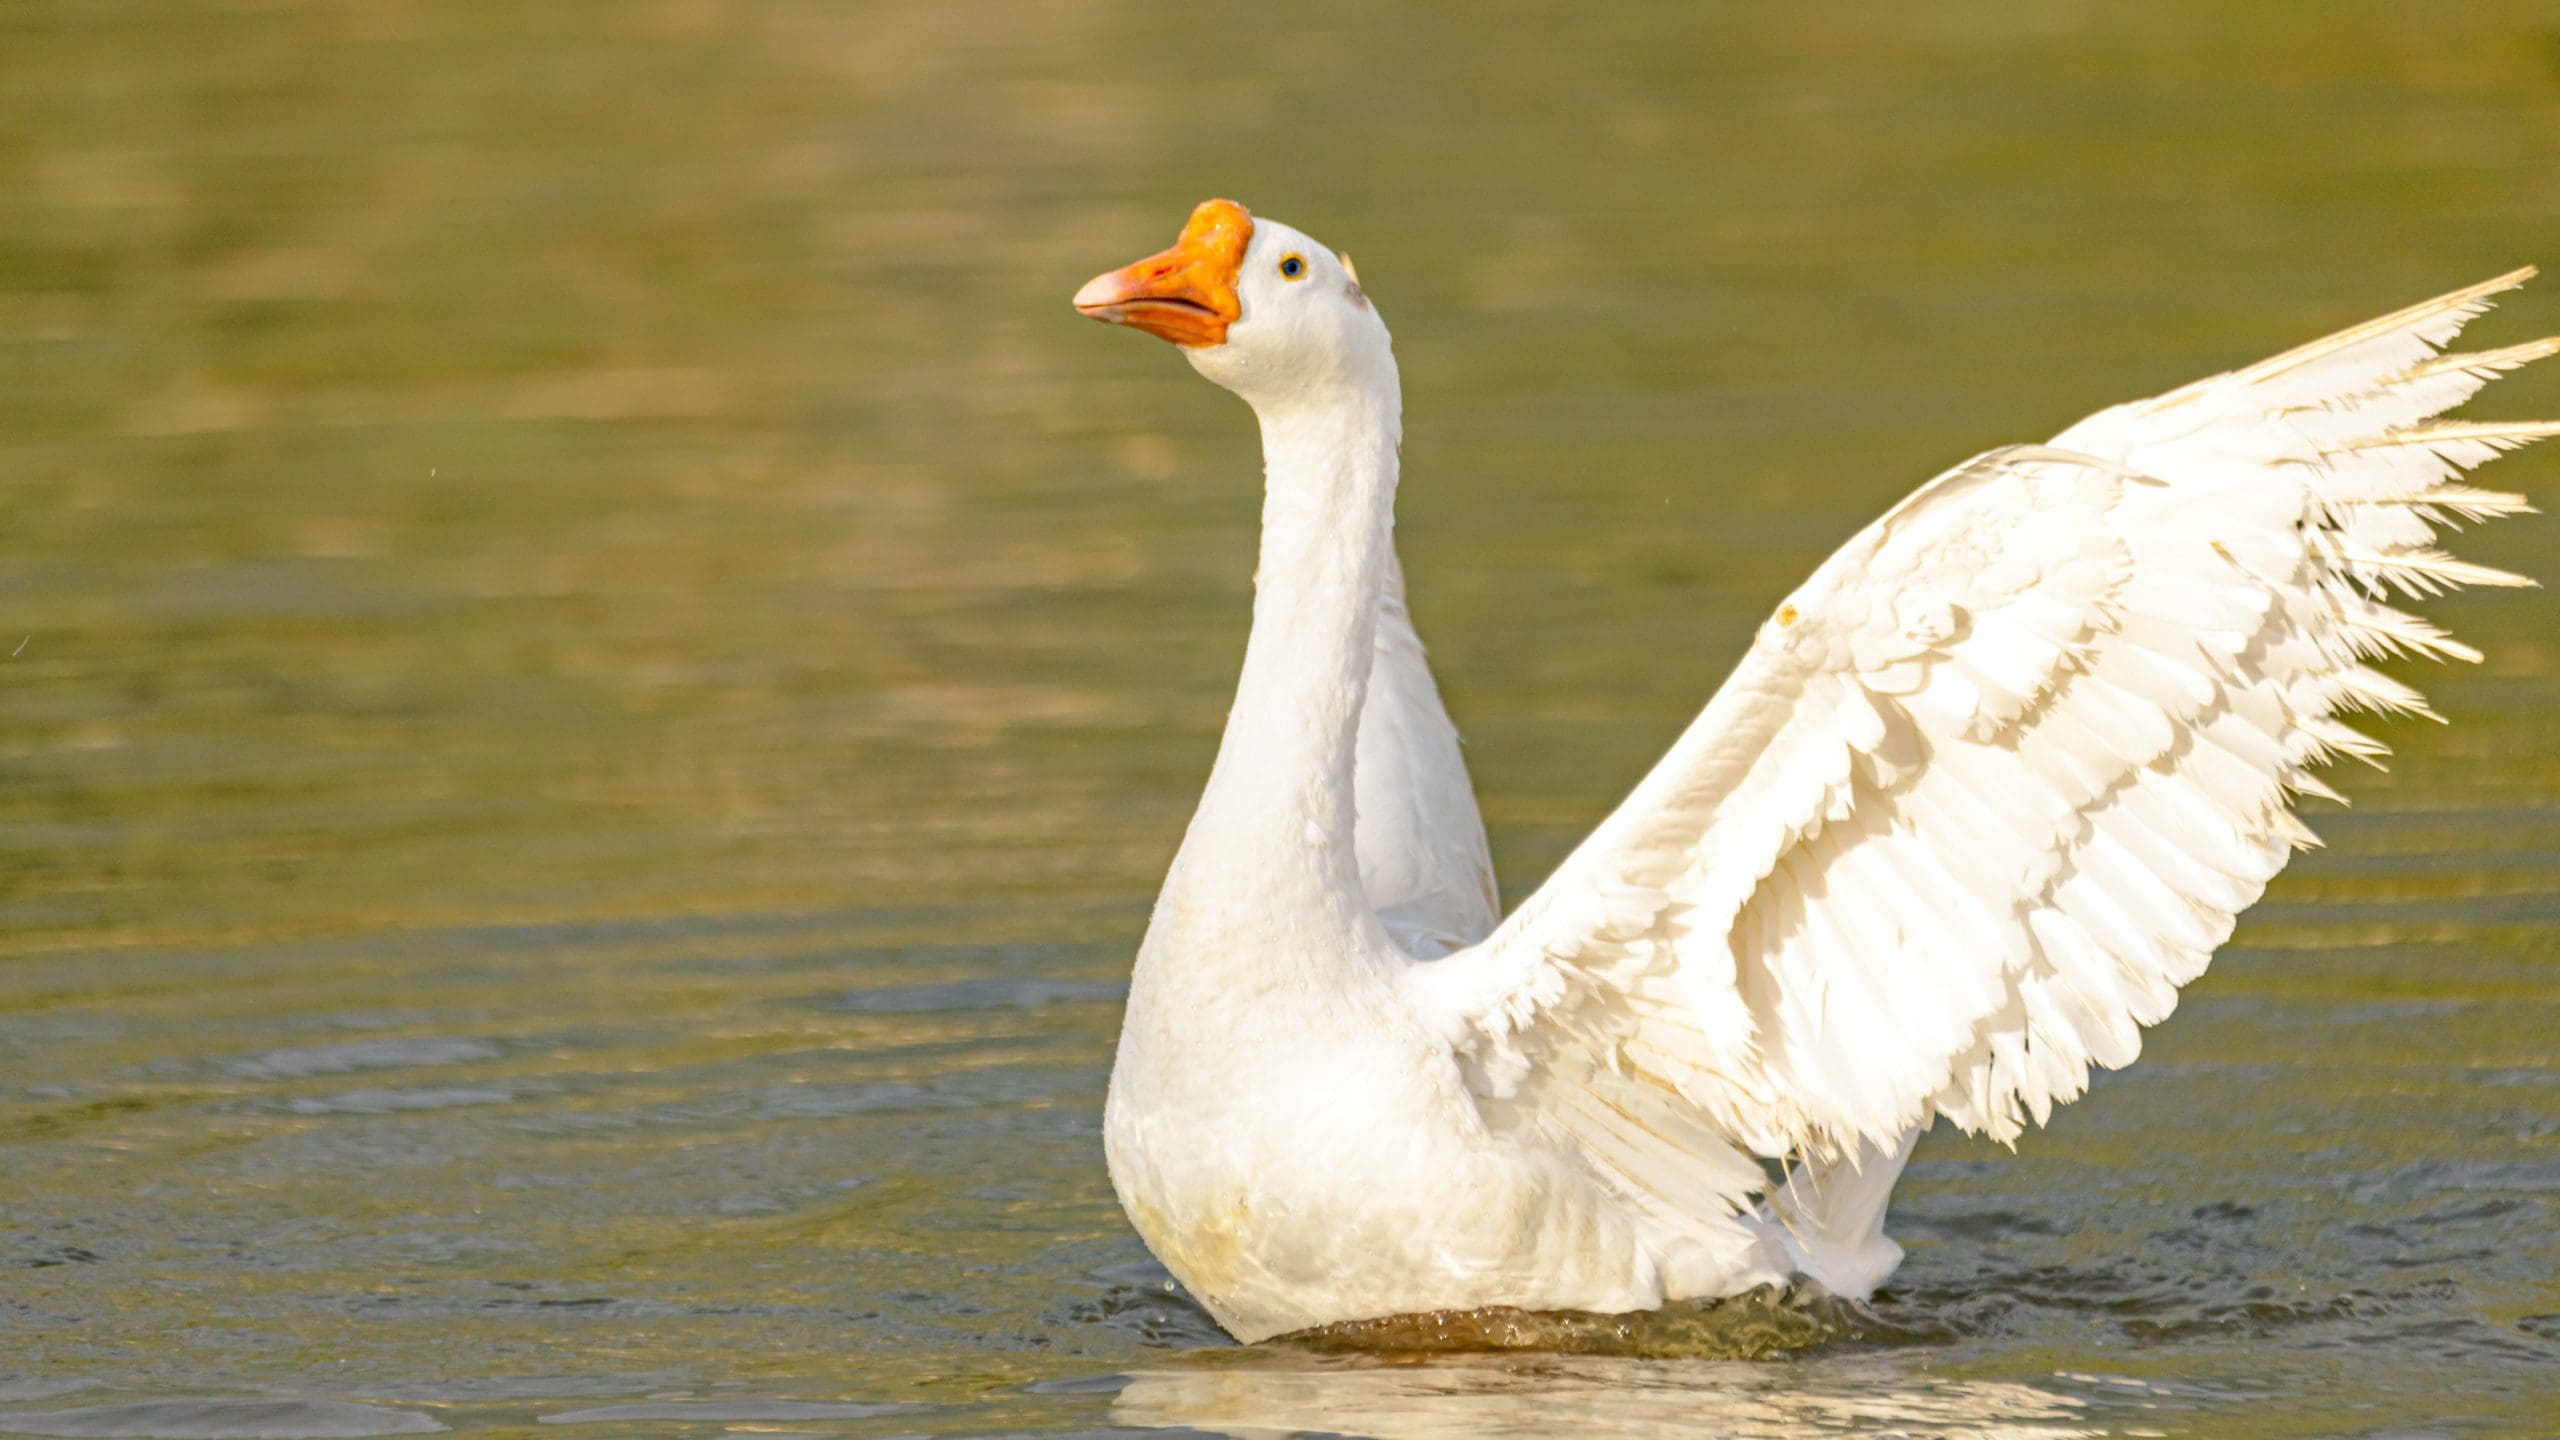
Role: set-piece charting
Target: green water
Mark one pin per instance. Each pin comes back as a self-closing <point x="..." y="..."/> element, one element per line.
<point x="600" y="674"/>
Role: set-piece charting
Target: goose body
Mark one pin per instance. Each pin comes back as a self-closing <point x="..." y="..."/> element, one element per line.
<point x="1984" y="793"/>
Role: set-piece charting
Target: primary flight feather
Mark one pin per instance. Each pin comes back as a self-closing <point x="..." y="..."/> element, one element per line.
<point x="1984" y="793"/>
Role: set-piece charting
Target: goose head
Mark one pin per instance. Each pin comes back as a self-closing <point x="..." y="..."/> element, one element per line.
<point x="1259" y="307"/>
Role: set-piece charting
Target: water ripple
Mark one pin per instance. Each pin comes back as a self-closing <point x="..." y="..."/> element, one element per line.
<point x="222" y="1420"/>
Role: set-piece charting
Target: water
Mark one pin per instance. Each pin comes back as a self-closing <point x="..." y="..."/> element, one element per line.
<point x="607" y="675"/>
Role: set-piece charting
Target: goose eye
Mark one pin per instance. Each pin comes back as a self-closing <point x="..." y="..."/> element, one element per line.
<point x="1293" y="267"/>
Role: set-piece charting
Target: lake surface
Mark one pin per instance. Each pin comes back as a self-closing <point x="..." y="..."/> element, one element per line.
<point x="600" y="674"/>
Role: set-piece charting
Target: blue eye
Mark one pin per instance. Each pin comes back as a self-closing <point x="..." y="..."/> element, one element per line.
<point x="1293" y="266"/>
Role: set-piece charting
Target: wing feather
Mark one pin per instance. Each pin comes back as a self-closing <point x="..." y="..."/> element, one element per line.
<point x="1995" y="782"/>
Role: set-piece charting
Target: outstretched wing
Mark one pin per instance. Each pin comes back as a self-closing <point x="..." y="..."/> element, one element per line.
<point x="1992" y="785"/>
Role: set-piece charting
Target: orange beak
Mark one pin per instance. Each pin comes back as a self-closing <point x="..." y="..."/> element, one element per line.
<point x="1186" y="294"/>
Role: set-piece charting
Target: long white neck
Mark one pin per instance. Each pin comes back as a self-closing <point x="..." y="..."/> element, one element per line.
<point x="1277" y="816"/>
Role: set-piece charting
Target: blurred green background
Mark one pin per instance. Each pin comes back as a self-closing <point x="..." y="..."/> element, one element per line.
<point x="603" y="671"/>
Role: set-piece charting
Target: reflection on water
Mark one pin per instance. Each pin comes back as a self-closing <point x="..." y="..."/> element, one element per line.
<point x="596" y="674"/>
<point x="1592" y="1399"/>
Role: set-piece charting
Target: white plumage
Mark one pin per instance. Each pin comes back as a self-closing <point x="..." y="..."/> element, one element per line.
<point x="1984" y="793"/>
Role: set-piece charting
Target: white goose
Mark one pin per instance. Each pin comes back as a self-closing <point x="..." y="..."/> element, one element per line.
<point x="1987" y="789"/>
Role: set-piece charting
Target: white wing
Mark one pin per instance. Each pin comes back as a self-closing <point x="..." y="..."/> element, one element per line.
<point x="1993" y="783"/>
<point x="1423" y="861"/>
